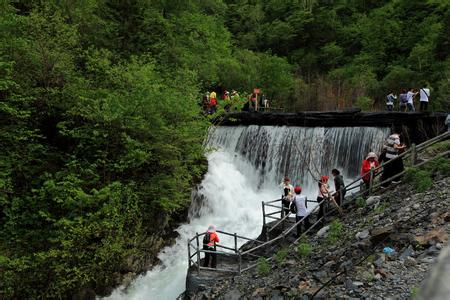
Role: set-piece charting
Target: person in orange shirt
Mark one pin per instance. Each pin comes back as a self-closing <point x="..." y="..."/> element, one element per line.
<point x="209" y="243"/>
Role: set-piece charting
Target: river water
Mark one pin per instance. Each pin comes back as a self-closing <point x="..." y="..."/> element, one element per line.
<point x="246" y="165"/>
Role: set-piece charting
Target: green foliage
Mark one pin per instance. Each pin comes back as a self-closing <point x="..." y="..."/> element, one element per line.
<point x="380" y="208"/>
<point x="419" y="179"/>
<point x="335" y="231"/>
<point x="360" y="202"/>
<point x="263" y="266"/>
<point x="280" y="255"/>
<point x="441" y="165"/>
<point x="304" y="249"/>
<point x="364" y="103"/>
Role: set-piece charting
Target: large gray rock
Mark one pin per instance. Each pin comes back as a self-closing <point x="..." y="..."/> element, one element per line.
<point x="373" y="200"/>
<point x="437" y="286"/>
<point x="362" y="235"/>
<point x="323" y="231"/>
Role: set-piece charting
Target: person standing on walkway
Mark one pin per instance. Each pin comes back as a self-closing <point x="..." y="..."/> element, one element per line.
<point x="393" y="148"/>
<point x="288" y="195"/>
<point x="371" y="162"/>
<point x="209" y="243"/>
<point x="339" y="185"/>
<point x="301" y="204"/>
<point x="424" y="98"/>
<point x="390" y="101"/>
<point x="323" y="194"/>
<point x="403" y="100"/>
<point x="410" y="96"/>
<point x="213" y="102"/>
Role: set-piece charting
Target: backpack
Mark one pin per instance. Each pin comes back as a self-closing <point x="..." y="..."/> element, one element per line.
<point x="293" y="207"/>
<point x="206" y="238"/>
<point x="403" y="98"/>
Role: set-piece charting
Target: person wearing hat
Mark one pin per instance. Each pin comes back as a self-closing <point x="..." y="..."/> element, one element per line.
<point x="323" y="194"/>
<point x="288" y="195"/>
<point x="371" y="162"/>
<point x="301" y="204"/>
<point x="209" y="243"/>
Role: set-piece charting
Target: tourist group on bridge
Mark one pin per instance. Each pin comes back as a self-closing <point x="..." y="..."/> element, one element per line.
<point x="407" y="98"/>
<point x="403" y="102"/>
<point x="234" y="102"/>
<point x="293" y="201"/>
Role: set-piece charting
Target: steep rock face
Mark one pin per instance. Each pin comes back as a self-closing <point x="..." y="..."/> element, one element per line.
<point x="415" y="225"/>
<point x="417" y="126"/>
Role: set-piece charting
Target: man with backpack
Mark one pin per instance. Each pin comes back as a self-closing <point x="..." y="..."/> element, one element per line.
<point x="299" y="206"/>
<point x="209" y="243"/>
<point x="403" y="101"/>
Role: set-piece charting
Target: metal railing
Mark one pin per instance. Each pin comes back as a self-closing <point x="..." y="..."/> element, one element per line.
<point x="198" y="249"/>
<point x="411" y="153"/>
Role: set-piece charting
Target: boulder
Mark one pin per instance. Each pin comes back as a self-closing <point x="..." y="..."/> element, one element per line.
<point x="410" y="262"/>
<point x="362" y="235"/>
<point x="436" y="285"/>
<point x="323" y="231"/>
<point x="373" y="200"/>
<point x="409" y="251"/>
<point x="380" y="233"/>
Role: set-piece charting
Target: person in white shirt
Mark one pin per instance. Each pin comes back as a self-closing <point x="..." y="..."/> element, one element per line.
<point x="424" y="98"/>
<point x="301" y="204"/>
<point x="410" y="96"/>
<point x="288" y="195"/>
<point x="390" y="101"/>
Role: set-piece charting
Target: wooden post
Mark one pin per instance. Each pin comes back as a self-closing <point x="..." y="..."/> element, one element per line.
<point x="198" y="252"/>
<point x="264" y="219"/>
<point x="235" y="243"/>
<point x="413" y="154"/>
<point x="189" y="254"/>
<point x="371" y="181"/>
<point x="240" y="262"/>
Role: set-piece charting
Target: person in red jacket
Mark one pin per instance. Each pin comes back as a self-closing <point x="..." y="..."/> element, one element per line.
<point x="209" y="243"/>
<point x="369" y="163"/>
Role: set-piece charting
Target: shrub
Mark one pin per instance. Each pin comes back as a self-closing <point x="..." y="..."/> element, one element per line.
<point x="280" y="256"/>
<point x="441" y="165"/>
<point x="365" y="103"/>
<point x="304" y="249"/>
<point x="419" y="179"/>
<point x="360" y="202"/>
<point x="335" y="231"/>
<point x="263" y="266"/>
<point x="381" y="207"/>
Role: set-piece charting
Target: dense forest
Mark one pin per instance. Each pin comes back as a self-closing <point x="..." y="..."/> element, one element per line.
<point x="100" y="125"/>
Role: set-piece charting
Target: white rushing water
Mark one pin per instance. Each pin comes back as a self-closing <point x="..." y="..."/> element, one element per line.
<point x="245" y="168"/>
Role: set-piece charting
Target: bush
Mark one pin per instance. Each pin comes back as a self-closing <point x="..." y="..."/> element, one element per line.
<point x="360" y="202"/>
<point x="381" y="207"/>
<point x="441" y="165"/>
<point x="335" y="231"/>
<point x="419" y="179"/>
<point x="304" y="249"/>
<point x="280" y="256"/>
<point x="263" y="266"/>
<point x="365" y="103"/>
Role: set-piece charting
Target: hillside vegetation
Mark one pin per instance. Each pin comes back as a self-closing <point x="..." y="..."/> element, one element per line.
<point x="100" y="128"/>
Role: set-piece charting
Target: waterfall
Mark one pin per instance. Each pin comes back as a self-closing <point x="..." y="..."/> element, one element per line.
<point x="246" y="165"/>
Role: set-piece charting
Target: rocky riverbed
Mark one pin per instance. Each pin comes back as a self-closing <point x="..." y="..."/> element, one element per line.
<point x="353" y="258"/>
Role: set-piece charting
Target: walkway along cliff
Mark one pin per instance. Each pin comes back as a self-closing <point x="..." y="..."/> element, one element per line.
<point x="272" y="240"/>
